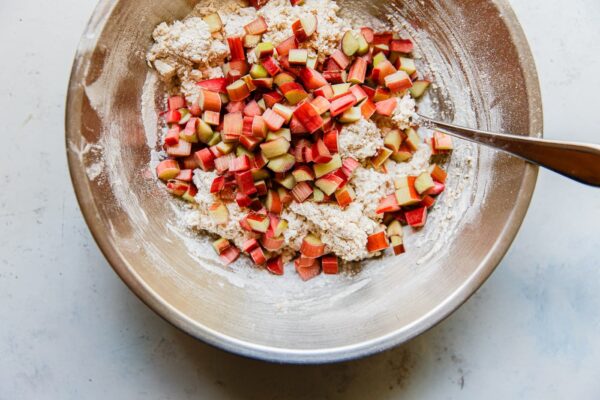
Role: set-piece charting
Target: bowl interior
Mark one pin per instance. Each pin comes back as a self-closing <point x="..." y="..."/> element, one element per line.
<point x="476" y="54"/>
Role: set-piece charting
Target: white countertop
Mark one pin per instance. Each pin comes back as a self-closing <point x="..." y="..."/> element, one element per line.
<point x="70" y="329"/>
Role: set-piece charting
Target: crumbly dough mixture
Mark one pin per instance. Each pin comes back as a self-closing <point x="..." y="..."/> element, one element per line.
<point x="185" y="52"/>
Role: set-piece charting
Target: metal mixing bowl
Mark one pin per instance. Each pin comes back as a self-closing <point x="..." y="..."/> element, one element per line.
<point x="486" y="78"/>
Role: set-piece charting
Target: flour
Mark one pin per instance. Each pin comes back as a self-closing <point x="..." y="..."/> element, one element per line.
<point x="360" y="140"/>
<point x="404" y="112"/>
<point x="330" y="27"/>
<point x="344" y="231"/>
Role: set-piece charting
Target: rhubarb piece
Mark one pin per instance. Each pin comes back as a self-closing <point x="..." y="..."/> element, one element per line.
<point x="245" y="182"/>
<point x="209" y="101"/>
<point x="286" y="180"/>
<point x="341" y="104"/>
<point x="252" y="109"/>
<point x="335" y="77"/>
<point x="242" y="200"/>
<point x="173" y="117"/>
<point x="258" y="256"/>
<point x="298" y="56"/>
<point x="368" y="34"/>
<point x="311" y="78"/>
<point x="259" y="127"/>
<point x="377" y="242"/>
<point x="249" y="245"/>
<point x="312" y="247"/>
<point x="329" y="183"/>
<point x="177" y="188"/>
<point x="349" y="165"/>
<point x="368" y="108"/>
<point x="363" y="46"/>
<point x="230" y="255"/>
<point x="241" y="66"/>
<point x="249" y="82"/>
<point x="309" y="272"/>
<point x="381" y="94"/>
<point x="424" y="182"/>
<point x="271" y="66"/>
<point x="301" y="192"/>
<point x="407" y="65"/>
<point x="398" y="81"/>
<point x="256" y="27"/>
<point x="214" y="22"/>
<point x="293" y="92"/>
<point x="397" y="245"/>
<point x="236" y="48"/>
<point x="222" y="163"/>
<point x="167" y="169"/>
<point x="185" y="175"/>
<point x="238" y="90"/>
<point x="273" y="202"/>
<point x="263" y="83"/>
<point x="329" y="264"/>
<point x="324" y="91"/>
<point x="172" y="136"/>
<point x="205" y="159"/>
<point x="417" y="217"/>
<point x="283" y="77"/>
<point x="210" y="118"/>
<point x="271" y="98"/>
<point x="275" y="264"/>
<point x="273" y="120"/>
<point x="305" y="27"/>
<point x="442" y="142"/>
<point x="181" y="149"/>
<point x="239" y="164"/>
<point x="341" y="59"/>
<point x="419" y="87"/>
<point x="258" y="71"/>
<point x="282" y="163"/>
<point x="303" y="173"/>
<point x="309" y="117"/>
<point x="281" y="133"/>
<point x="218" y="213"/>
<point x="324" y="169"/>
<point x="320" y="152"/>
<point x="235" y="106"/>
<point x="344" y="196"/>
<point x="381" y="49"/>
<point x="233" y="125"/>
<point x="386" y="107"/>
<point x="190" y="194"/>
<point x="249" y="143"/>
<point x="318" y="196"/>
<point x="406" y="194"/>
<point x="217" y="85"/>
<point x="351" y="115"/>
<point x="275" y="148"/>
<point x="381" y="157"/>
<point x="350" y="43"/>
<point x="284" y="111"/>
<point x="388" y="204"/>
<point x="176" y="102"/>
<point x="220" y="245"/>
<point x="296" y="126"/>
<point x="382" y="70"/>
<point x="264" y="50"/>
<point x="283" y="49"/>
<point x="358" y="71"/>
<point x="383" y="38"/>
<point x="437" y="189"/>
<point x="258" y="223"/>
<point x="413" y="139"/>
<point x="401" y="46"/>
<point x="437" y="173"/>
<point x="330" y="138"/>
<point x="393" y="140"/>
<point x="186" y="115"/>
<point x="251" y="41"/>
<point x="340" y="89"/>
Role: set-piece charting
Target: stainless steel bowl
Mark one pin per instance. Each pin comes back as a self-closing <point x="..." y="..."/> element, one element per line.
<point x="486" y="78"/>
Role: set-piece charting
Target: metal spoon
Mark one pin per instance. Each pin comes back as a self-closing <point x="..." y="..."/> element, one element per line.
<point x="578" y="161"/>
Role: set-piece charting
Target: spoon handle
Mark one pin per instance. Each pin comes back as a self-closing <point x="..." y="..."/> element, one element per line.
<point x="578" y="161"/>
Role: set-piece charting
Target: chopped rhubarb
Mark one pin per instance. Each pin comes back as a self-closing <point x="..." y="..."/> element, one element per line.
<point x="330" y="138"/>
<point x="272" y="98"/>
<point x="209" y="101"/>
<point x="342" y="103"/>
<point x="275" y="265"/>
<point x="245" y="182"/>
<point x="217" y="85"/>
<point x="271" y="66"/>
<point x="388" y="204"/>
<point x="344" y="196"/>
<point x="358" y="71"/>
<point x="301" y="192"/>
<point x="305" y="27"/>
<point x="377" y="242"/>
<point x="258" y="256"/>
<point x="239" y="164"/>
<point x="329" y="264"/>
<point x="401" y="46"/>
<point x="236" y="48"/>
<point x="310" y="272"/>
<point x="293" y="92"/>
<point x="273" y="120"/>
<point x="312" y="247"/>
<point x="176" y="102"/>
<point x="417" y="217"/>
<point x="256" y="27"/>
<point x="309" y="117"/>
<point x="283" y="49"/>
<point x="320" y="152"/>
<point x="312" y="79"/>
<point x="341" y="59"/>
<point x="181" y="149"/>
<point x="230" y="255"/>
<point x="167" y="169"/>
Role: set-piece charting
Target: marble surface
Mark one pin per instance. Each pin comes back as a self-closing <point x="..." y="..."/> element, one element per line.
<point x="70" y="329"/>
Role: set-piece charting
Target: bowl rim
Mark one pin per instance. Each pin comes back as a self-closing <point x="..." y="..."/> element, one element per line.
<point x="284" y="355"/>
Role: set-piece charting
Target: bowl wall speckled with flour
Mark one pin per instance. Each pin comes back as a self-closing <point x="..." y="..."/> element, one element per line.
<point x="485" y="78"/>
